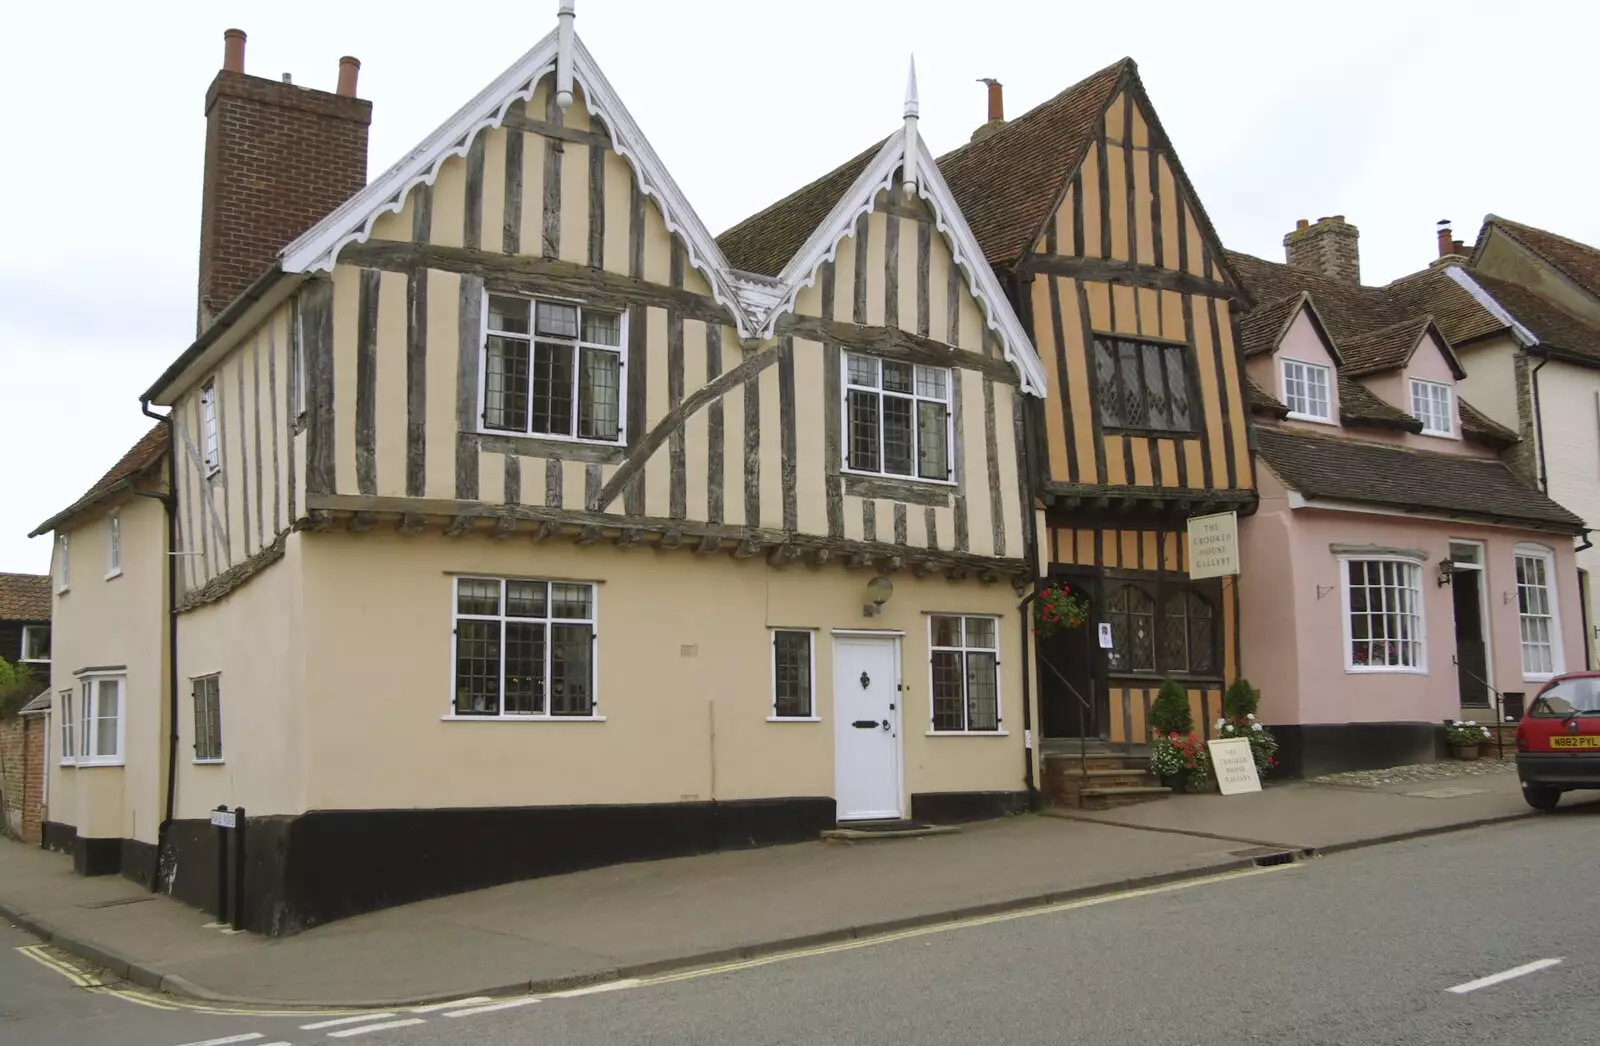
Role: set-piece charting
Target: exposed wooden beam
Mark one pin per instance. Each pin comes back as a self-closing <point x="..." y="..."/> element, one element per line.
<point x="956" y="572"/>
<point x="592" y="139"/>
<point x="1106" y="270"/>
<point x="630" y="537"/>
<point x="892" y="343"/>
<point x="588" y="535"/>
<point x="990" y="576"/>
<point x="361" y="521"/>
<point x="547" y="530"/>
<point x="857" y="560"/>
<point x="505" y="526"/>
<point x="670" y="538"/>
<point x="459" y="525"/>
<point x="318" y="520"/>
<point x="921" y="568"/>
<point x="410" y="523"/>
<point x="820" y="556"/>
<point x="708" y="544"/>
<point x="891" y="564"/>
<point x="782" y="555"/>
<point x="747" y="548"/>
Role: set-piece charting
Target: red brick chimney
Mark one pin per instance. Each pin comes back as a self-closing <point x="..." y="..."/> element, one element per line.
<point x="1328" y="247"/>
<point x="278" y="159"/>
<point x="1450" y="250"/>
<point x="997" y="110"/>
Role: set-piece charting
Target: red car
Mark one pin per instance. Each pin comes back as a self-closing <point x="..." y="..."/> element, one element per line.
<point x="1558" y="740"/>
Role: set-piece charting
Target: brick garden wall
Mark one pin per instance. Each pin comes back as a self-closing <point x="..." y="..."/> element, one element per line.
<point x="22" y="776"/>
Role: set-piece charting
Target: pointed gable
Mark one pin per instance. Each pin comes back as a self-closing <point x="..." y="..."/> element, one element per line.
<point x="1578" y="262"/>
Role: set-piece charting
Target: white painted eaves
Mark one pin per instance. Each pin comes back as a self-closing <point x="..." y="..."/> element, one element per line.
<point x="318" y="248"/>
<point x="878" y="176"/>
<point x="1523" y="335"/>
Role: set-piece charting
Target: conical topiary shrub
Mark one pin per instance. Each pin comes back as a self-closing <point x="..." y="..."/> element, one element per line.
<point x="1169" y="713"/>
<point x="1239" y="701"/>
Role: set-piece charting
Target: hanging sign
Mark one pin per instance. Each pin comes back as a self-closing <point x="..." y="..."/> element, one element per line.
<point x="1105" y="635"/>
<point x="1235" y="766"/>
<point x="1213" y="545"/>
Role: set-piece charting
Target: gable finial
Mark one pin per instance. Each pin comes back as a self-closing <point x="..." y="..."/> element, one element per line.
<point x="564" y="16"/>
<point x="909" y="179"/>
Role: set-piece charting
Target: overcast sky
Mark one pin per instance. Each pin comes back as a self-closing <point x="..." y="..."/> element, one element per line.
<point x="1394" y="114"/>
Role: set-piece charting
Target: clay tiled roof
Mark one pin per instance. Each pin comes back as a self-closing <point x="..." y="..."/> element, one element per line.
<point x="24" y="597"/>
<point x="1558" y="330"/>
<point x="1262" y="401"/>
<point x="1349" y="310"/>
<point x="1007" y="182"/>
<point x="1386" y="348"/>
<point x="764" y="242"/>
<point x="141" y="456"/>
<point x="1360" y="406"/>
<point x="1459" y="316"/>
<point x="1480" y="428"/>
<point x="1399" y="477"/>
<point x="1579" y="262"/>
<point x="1263" y="326"/>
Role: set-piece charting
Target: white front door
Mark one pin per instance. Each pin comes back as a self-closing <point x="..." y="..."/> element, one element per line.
<point x="866" y="727"/>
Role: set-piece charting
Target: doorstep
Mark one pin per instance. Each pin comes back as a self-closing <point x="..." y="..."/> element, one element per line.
<point x="887" y="830"/>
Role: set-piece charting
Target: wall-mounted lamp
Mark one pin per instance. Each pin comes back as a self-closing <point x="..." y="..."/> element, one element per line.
<point x="1447" y="570"/>
<point x="879" y="589"/>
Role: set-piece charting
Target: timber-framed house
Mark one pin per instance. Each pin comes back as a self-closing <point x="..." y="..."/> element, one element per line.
<point x="1084" y="209"/>
<point x="515" y="529"/>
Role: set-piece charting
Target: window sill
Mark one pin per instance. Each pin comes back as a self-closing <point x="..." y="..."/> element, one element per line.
<point x="967" y="733"/>
<point x="206" y="762"/>
<point x="87" y="764"/>
<point x="1539" y="677"/>
<point x="898" y="488"/>
<point x="1296" y="416"/>
<point x="1439" y="433"/>
<point x="794" y="719"/>
<point x="522" y="718"/>
<point x="890" y="477"/>
<point x="214" y="472"/>
<point x="604" y="452"/>
<point x="35" y="660"/>
<point x="1384" y="670"/>
<point x="113" y="573"/>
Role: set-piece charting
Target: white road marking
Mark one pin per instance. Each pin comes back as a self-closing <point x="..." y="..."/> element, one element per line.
<point x="513" y="1004"/>
<point x="345" y="1020"/>
<point x="1504" y="975"/>
<point x="247" y="1037"/>
<point x="345" y="1033"/>
<point x="449" y="1005"/>
<point x="595" y="989"/>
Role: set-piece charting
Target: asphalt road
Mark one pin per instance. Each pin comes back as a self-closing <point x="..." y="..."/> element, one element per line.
<point x="1357" y="948"/>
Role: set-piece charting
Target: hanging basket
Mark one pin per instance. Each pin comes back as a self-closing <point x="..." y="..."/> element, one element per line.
<point x="1057" y="609"/>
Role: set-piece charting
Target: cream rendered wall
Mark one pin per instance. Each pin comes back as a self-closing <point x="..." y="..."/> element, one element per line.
<point x="1569" y="402"/>
<point x="1505" y="259"/>
<point x="100" y="622"/>
<point x="1490" y="384"/>
<point x="254" y="640"/>
<point x="683" y="649"/>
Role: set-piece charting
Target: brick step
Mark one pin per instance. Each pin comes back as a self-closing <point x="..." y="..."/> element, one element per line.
<point x="1105" y="761"/>
<point x="1107" y="798"/>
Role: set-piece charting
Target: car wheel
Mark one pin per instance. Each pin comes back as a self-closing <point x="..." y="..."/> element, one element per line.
<point x="1541" y="797"/>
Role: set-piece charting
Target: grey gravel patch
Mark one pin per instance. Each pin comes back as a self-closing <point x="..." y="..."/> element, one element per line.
<point x="1447" y="792"/>
<point x="1418" y="772"/>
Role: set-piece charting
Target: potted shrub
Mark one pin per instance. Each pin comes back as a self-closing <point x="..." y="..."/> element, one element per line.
<point x="1239" y="703"/>
<point x="1176" y="753"/>
<point x="1466" y="739"/>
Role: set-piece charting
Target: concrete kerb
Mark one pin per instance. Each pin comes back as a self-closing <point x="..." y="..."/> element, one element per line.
<point x="150" y="976"/>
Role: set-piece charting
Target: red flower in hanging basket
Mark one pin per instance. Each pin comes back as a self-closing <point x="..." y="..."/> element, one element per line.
<point x="1057" y="608"/>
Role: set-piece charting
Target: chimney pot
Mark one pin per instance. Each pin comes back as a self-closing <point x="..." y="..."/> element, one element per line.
<point x="997" y="108"/>
<point x="348" y="68"/>
<point x="233" y="50"/>
<point x="288" y="79"/>
<point x="1446" y="244"/>
<point x="1301" y="225"/>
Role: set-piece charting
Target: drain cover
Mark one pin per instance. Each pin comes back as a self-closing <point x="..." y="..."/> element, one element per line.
<point x="1447" y="792"/>
<point x="1265" y="856"/>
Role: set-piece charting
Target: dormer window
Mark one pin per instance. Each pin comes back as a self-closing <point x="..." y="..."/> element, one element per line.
<point x="1430" y="403"/>
<point x="1305" y="391"/>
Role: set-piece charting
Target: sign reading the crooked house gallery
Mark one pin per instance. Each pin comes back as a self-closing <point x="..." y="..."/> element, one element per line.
<point x="1235" y="766"/>
<point x="1214" y="545"/>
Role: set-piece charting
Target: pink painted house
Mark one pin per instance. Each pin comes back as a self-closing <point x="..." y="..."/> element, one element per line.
<point x="1398" y="573"/>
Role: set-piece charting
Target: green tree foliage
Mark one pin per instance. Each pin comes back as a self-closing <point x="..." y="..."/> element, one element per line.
<point x="1169" y="713"/>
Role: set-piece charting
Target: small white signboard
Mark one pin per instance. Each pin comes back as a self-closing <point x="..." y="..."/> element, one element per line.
<point x="223" y="818"/>
<point x="1213" y="545"/>
<point x="1234" y="765"/>
<point x="1105" y="635"/>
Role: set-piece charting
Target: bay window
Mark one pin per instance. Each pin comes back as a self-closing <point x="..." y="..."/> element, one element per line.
<point x="100" y="715"/>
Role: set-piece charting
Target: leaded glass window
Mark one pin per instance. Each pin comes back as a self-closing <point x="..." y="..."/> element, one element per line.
<point x="1143" y="385"/>
<point x="553" y="369"/>
<point x="523" y="648"/>
<point x="897" y="418"/>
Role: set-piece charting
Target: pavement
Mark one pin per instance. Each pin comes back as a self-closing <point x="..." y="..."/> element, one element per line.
<point x="636" y="920"/>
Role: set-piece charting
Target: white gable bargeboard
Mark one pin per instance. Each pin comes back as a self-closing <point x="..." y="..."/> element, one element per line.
<point x="753" y="303"/>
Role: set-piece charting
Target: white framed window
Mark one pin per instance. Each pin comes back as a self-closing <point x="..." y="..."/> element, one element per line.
<point x="207" y="719"/>
<point x="69" y="727"/>
<point x="113" y="545"/>
<point x="1306" y="391"/>
<point x="964" y="673"/>
<point x="1536" y="611"/>
<point x="793" y="674"/>
<point x="208" y="428"/>
<point x="553" y="369"/>
<point x="36" y="643"/>
<point x="1430" y="404"/>
<point x="523" y="649"/>
<point x="1383" y="622"/>
<point x="100" y="717"/>
<point x="896" y="418"/>
<point x="63" y="562"/>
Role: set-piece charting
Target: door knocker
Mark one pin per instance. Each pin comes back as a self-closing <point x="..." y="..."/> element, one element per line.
<point x="866" y="680"/>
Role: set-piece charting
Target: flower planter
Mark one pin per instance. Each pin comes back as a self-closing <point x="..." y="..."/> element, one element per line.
<point x="1178" y="782"/>
<point x="1465" y="751"/>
